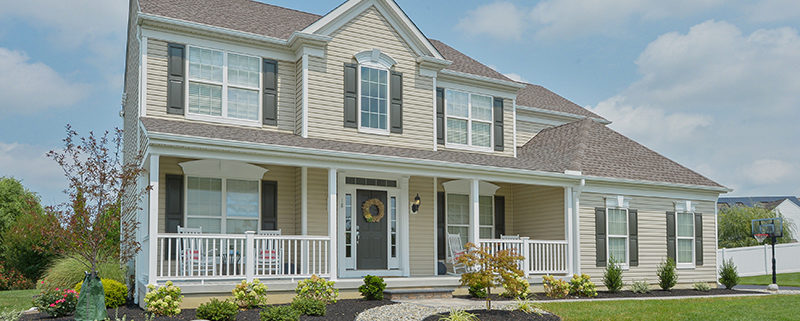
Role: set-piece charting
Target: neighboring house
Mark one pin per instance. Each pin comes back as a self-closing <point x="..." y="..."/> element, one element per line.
<point x="322" y="131"/>
<point x="788" y="206"/>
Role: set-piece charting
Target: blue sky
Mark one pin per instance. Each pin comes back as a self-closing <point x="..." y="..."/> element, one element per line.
<point x="712" y="84"/>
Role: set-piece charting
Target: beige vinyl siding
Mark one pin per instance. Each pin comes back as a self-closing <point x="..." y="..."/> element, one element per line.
<point x="652" y="239"/>
<point x="421" y="228"/>
<point x="317" y="201"/>
<point x="283" y="175"/>
<point x="539" y="212"/>
<point x="526" y="130"/>
<point x="157" y="87"/>
<point x="368" y="31"/>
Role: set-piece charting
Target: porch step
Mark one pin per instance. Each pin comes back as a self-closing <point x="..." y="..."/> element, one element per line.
<point x="419" y="293"/>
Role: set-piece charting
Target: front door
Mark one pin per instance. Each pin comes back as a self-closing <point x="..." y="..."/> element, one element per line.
<point x="372" y="237"/>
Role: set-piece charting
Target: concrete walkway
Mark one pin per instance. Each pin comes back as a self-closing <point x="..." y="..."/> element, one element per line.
<point x="763" y="288"/>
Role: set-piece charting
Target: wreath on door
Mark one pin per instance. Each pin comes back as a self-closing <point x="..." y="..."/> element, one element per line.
<point x="366" y="208"/>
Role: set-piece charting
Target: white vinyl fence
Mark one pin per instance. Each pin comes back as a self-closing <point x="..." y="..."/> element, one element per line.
<point x="757" y="260"/>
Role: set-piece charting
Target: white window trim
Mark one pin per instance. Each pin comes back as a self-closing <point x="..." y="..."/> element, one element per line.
<point x="224" y="211"/>
<point x="224" y="117"/>
<point x="469" y="145"/>
<point x="370" y="130"/>
<point x="684" y="265"/>
<point x="626" y="265"/>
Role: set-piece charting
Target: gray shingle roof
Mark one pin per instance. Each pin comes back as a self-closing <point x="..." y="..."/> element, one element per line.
<point x="242" y="15"/>
<point x="540" y="97"/>
<point x="465" y="64"/>
<point x="583" y="145"/>
<point x="769" y="202"/>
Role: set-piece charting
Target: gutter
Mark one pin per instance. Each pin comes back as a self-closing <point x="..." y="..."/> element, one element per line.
<point x="495" y="81"/>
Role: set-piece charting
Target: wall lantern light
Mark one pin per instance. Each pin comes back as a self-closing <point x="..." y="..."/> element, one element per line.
<point x="415" y="204"/>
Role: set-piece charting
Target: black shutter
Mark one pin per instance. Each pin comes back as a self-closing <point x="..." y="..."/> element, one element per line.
<point x="600" y="235"/>
<point x="175" y="78"/>
<point x="350" y="96"/>
<point x="173" y="207"/>
<point x="396" y="98"/>
<point x="498" y="124"/>
<point x="440" y="116"/>
<point x="698" y="238"/>
<point x="499" y="216"/>
<point x="671" y="235"/>
<point x="270" y="94"/>
<point x="441" y="227"/>
<point x="633" y="237"/>
<point x="269" y="205"/>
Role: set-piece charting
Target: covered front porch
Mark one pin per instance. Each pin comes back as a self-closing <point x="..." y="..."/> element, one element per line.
<point x="217" y="221"/>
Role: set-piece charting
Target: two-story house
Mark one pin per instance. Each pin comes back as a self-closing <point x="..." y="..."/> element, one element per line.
<point x="281" y="144"/>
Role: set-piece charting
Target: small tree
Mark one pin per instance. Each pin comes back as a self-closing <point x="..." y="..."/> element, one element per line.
<point x="735" y="229"/>
<point x="612" y="278"/>
<point x="489" y="269"/>
<point x="667" y="278"/>
<point x="728" y="276"/>
<point x="102" y="199"/>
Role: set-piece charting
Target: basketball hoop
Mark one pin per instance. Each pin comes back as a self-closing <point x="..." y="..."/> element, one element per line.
<point x="760" y="237"/>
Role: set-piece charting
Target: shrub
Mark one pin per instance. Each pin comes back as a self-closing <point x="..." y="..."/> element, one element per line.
<point x="66" y="272"/>
<point x="582" y="285"/>
<point x="477" y="290"/>
<point x="250" y="295"/>
<point x="701" y="286"/>
<point x="216" y="310"/>
<point x="22" y="248"/>
<point x="10" y="315"/>
<point x="667" y="278"/>
<point x="280" y="313"/>
<point x="163" y="300"/>
<point x="640" y="287"/>
<point x="555" y="288"/>
<point x="459" y="315"/>
<point x="317" y="288"/>
<point x="612" y="278"/>
<point x="11" y="279"/>
<point x="373" y="287"/>
<point x="115" y="292"/>
<point x="728" y="275"/>
<point x="517" y="287"/>
<point x="526" y="306"/>
<point x="309" y="306"/>
<point x="57" y="302"/>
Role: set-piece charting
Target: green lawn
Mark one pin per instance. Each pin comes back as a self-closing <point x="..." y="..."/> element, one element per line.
<point x="16" y="300"/>
<point x="768" y="307"/>
<point x="784" y="279"/>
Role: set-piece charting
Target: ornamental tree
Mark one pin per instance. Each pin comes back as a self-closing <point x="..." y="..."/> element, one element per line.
<point x="102" y="197"/>
<point x="489" y="269"/>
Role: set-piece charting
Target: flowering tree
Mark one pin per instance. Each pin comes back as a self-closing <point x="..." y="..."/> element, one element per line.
<point x="102" y="193"/>
<point x="489" y="269"/>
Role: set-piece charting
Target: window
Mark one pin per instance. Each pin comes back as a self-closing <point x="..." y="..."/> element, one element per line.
<point x="685" y="238"/>
<point x="374" y="99"/>
<point x="393" y="214"/>
<point x="469" y="119"/>
<point x="218" y="204"/>
<point x="458" y="216"/>
<point x="224" y="84"/>
<point x="617" y="230"/>
<point x="348" y="225"/>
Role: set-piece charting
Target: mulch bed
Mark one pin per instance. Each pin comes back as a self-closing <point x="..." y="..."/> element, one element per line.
<point x="341" y="310"/>
<point x="485" y="315"/>
<point x="626" y="294"/>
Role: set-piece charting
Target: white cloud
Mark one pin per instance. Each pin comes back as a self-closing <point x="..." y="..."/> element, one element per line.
<point x="719" y="101"/>
<point x="516" y="77"/>
<point x="772" y="10"/>
<point x="559" y="18"/>
<point x="770" y="171"/>
<point x="37" y="172"/>
<point x="500" y="20"/>
<point x="27" y="87"/>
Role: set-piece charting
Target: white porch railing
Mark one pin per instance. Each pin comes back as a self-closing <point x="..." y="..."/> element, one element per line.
<point x="184" y="257"/>
<point x="540" y="256"/>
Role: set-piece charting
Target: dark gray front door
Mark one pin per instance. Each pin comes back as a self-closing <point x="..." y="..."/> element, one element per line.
<point x="371" y="254"/>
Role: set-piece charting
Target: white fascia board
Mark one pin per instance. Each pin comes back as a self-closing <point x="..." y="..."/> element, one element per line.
<point x="345" y="12"/>
<point x="542" y="120"/>
<point x="470" y="85"/>
<point x="483" y="81"/>
<point x="562" y="114"/>
<point x="197" y="147"/>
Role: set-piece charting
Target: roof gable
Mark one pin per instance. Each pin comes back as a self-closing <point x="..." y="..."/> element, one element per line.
<point x="402" y="24"/>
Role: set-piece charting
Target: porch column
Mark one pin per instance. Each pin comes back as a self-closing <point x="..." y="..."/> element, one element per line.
<point x="568" y="228"/>
<point x="152" y="220"/>
<point x="332" y="200"/>
<point x="304" y="200"/>
<point x="576" y="231"/>
<point x="474" y="211"/>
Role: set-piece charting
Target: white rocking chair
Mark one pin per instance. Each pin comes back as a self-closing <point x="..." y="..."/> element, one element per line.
<point x="194" y="256"/>
<point x="455" y="250"/>
<point x="270" y="254"/>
